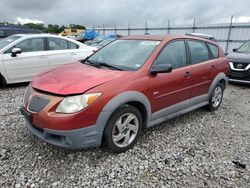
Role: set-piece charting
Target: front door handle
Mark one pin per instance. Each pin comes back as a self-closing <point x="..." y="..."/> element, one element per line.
<point x="187" y="74"/>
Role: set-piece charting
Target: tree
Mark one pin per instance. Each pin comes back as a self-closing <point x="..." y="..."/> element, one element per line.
<point x="50" y="28"/>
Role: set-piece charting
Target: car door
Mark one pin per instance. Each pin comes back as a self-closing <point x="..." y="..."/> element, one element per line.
<point x="31" y="61"/>
<point x="171" y="91"/>
<point x="202" y="67"/>
<point x="59" y="52"/>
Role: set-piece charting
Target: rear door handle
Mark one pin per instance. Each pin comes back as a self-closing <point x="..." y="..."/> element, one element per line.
<point x="42" y="57"/>
<point x="187" y="74"/>
<point x="73" y="53"/>
<point x="213" y="67"/>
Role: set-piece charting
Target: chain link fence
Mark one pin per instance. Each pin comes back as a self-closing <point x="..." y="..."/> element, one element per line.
<point x="229" y="35"/>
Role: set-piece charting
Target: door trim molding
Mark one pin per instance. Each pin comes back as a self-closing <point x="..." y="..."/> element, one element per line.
<point x="178" y="109"/>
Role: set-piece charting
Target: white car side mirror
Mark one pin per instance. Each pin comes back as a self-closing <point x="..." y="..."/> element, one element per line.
<point x="15" y="51"/>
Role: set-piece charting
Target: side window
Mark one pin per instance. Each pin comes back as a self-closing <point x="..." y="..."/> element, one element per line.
<point x="72" y="45"/>
<point x="214" y="50"/>
<point x="174" y="54"/>
<point x="199" y="51"/>
<point x="57" y="44"/>
<point x="31" y="45"/>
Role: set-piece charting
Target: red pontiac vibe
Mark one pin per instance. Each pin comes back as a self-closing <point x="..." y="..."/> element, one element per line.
<point x="131" y="84"/>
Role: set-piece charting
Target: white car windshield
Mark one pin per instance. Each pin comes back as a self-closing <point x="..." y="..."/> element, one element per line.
<point x="4" y="42"/>
<point x="125" y="54"/>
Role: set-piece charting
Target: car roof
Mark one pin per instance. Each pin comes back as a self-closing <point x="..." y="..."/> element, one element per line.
<point x="36" y="35"/>
<point x="30" y="35"/>
<point x="165" y="37"/>
<point x="145" y="37"/>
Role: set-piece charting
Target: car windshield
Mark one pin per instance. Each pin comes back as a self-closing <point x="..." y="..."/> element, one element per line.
<point x="125" y="54"/>
<point x="245" y="48"/>
<point x="4" y="42"/>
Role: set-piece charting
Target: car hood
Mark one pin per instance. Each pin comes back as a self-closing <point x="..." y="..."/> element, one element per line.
<point x="75" y="78"/>
<point x="239" y="57"/>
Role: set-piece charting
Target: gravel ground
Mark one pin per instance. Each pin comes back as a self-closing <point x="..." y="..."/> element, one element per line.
<point x="194" y="150"/>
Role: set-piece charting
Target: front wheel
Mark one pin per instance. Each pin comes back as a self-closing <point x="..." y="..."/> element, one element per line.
<point x="122" y="130"/>
<point x="216" y="98"/>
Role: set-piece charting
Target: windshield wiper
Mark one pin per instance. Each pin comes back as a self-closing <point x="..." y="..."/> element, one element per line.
<point x="109" y="66"/>
<point x="88" y="62"/>
<point x="99" y="64"/>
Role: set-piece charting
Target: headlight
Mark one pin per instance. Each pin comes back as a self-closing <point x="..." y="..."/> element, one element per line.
<point x="76" y="103"/>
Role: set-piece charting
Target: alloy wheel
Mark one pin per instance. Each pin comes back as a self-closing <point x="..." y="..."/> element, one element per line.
<point x="125" y="130"/>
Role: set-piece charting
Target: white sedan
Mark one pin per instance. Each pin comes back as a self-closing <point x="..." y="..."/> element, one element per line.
<point x="23" y="56"/>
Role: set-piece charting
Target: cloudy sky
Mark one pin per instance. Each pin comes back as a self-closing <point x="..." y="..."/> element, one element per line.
<point x="120" y="12"/>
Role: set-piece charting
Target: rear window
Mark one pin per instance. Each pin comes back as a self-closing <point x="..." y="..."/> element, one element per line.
<point x="214" y="50"/>
<point x="199" y="51"/>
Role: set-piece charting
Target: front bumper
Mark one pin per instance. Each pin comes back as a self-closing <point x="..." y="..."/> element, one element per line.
<point x="239" y="76"/>
<point x="69" y="139"/>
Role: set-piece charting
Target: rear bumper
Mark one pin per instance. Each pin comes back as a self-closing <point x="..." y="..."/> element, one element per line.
<point x="70" y="139"/>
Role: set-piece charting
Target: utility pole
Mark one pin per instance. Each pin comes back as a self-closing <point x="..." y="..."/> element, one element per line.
<point x="194" y="25"/>
<point x="229" y="32"/>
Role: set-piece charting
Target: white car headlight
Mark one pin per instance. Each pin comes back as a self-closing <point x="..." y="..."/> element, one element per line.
<point x="76" y="103"/>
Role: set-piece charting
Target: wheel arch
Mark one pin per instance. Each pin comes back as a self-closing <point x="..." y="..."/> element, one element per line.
<point x="220" y="78"/>
<point x="135" y="98"/>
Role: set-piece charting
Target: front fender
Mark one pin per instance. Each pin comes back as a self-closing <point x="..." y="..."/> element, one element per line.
<point x="116" y="102"/>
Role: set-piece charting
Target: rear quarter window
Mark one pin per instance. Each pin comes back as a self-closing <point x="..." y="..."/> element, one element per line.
<point x="214" y="51"/>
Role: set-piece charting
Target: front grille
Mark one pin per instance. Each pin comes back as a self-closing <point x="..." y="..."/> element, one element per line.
<point x="240" y="75"/>
<point x="238" y="65"/>
<point x="37" y="103"/>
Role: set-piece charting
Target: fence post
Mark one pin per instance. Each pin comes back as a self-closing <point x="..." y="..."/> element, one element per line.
<point x="103" y="29"/>
<point x="115" y="28"/>
<point x="168" y="26"/>
<point x="194" y="25"/>
<point x="146" y="27"/>
<point x="229" y="33"/>
<point x="128" y="29"/>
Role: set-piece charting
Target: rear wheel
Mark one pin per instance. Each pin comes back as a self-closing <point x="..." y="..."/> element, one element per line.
<point x="216" y="98"/>
<point x="122" y="130"/>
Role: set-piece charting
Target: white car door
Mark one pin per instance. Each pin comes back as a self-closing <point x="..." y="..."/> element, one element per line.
<point x="31" y="61"/>
<point x="59" y="52"/>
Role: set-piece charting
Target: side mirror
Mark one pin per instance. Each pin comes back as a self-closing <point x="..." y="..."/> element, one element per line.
<point x="235" y="50"/>
<point x="161" y="68"/>
<point x="15" y="51"/>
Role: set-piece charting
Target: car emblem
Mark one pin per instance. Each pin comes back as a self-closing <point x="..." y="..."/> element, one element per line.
<point x="239" y="66"/>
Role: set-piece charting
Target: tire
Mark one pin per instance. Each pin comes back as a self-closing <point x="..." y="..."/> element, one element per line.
<point x="216" y="98"/>
<point x="2" y="81"/>
<point x="119" y="136"/>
